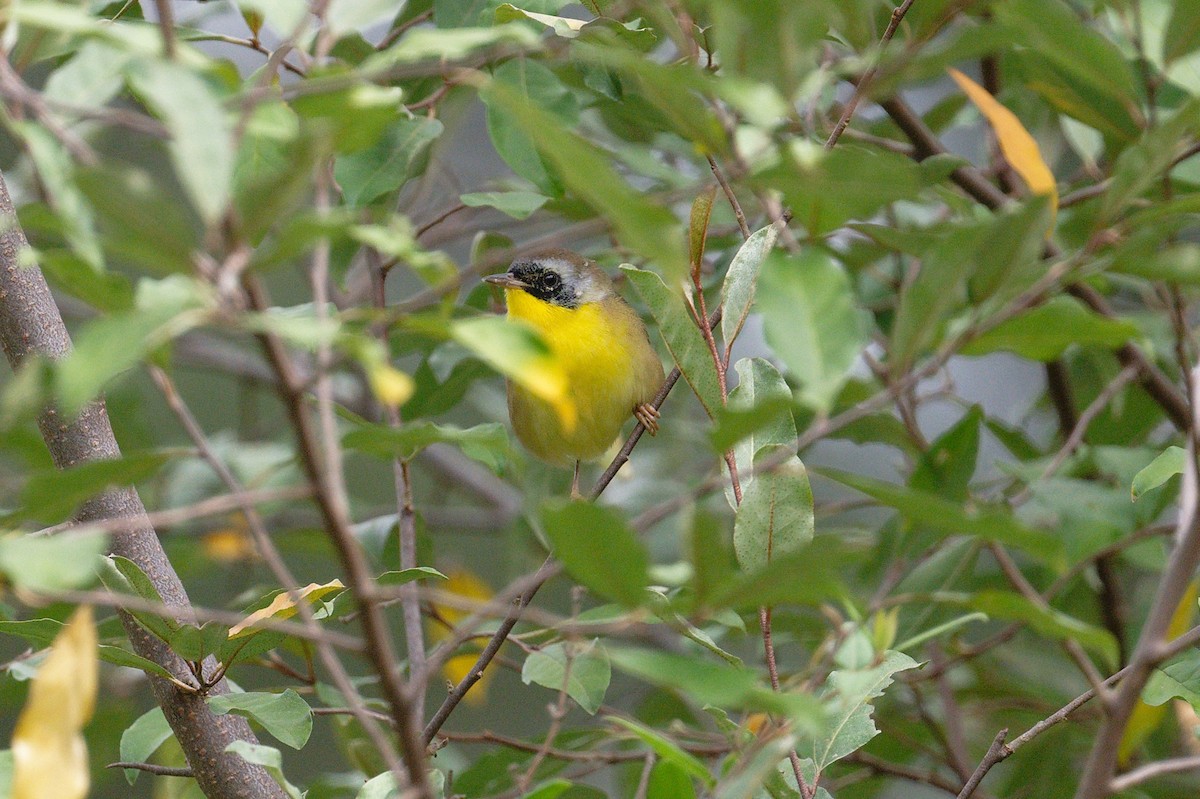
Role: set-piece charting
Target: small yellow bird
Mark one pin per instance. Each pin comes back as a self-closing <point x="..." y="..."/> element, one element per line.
<point x="612" y="370"/>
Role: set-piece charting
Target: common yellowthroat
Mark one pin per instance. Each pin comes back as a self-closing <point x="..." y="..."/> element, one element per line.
<point x="612" y="370"/>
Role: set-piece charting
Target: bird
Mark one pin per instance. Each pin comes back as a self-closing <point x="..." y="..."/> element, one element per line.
<point x="612" y="369"/>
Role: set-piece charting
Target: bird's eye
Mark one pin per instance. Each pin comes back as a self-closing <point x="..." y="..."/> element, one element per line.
<point x="551" y="281"/>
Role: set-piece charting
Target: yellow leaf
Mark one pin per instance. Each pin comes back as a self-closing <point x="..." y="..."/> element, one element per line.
<point x="1146" y="718"/>
<point x="1018" y="146"/>
<point x="282" y="607"/>
<point x="389" y="385"/>
<point x="230" y="544"/>
<point x="515" y="349"/>
<point x="49" y="754"/>
<point x="546" y="379"/>
<point x="468" y="585"/>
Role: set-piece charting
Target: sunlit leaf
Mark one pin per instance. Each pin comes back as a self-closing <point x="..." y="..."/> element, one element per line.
<point x="1170" y="463"/>
<point x="1019" y="148"/>
<point x="282" y="607"/>
<point x="49" y="753"/>
<point x="848" y="699"/>
<point x="516" y="350"/>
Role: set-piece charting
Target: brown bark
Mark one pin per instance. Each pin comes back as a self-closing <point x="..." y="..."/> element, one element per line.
<point x="30" y="326"/>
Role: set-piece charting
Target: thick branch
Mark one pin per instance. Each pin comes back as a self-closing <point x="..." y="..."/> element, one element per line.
<point x="31" y="326"/>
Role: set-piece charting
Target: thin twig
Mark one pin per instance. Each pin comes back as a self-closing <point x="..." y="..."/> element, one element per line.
<point x="861" y="85"/>
<point x="151" y="768"/>
<point x="1151" y="770"/>
<point x="1075" y="438"/>
<point x="995" y="753"/>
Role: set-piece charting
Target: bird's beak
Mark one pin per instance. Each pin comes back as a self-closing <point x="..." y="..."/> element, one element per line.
<point x="505" y="280"/>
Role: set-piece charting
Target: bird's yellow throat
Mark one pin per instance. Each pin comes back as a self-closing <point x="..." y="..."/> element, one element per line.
<point x="594" y="344"/>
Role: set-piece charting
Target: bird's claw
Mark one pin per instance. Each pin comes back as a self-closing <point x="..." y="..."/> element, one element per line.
<point x="648" y="415"/>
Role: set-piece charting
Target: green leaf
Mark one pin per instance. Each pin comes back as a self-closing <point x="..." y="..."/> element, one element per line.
<point x="549" y="790"/>
<point x="43" y="631"/>
<point x="138" y="220"/>
<point x="812" y="322"/>
<point x="423" y="43"/>
<point x="141" y="739"/>
<point x="517" y="351"/>
<point x="486" y="443"/>
<point x="1008" y="257"/>
<point x="285" y="715"/>
<point x="54" y="495"/>
<point x="531" y="80"/>
<point x="1171" y="462"/>
<point x="1182" y="32"/>
<point x="398" y="156"/>
<point x="1082" y="72"/>
<point x="270" y="759"/>
<point x="109" y="345"/>
<point x="122" y="576"/>
<point x="91" y="78"/>
<point x="953" y="518"/>
<point x="56" y="174"/>
<point x="668" y="750"/>
<point x="201" y="144"/>
<point x="947" y="466"/>
<point x="741" y="280"/>
<point x="938" y="289"/>
<point x="59" y="562"/>
<point x="720" y="684"/>
<point x="669" y="781"/>
<point x="848" y="696"/>
<point x="394" y="578"/>
<point x="517" y="204"/>
<point x="763" y="394"/>
<point x="1045" y="332"/>
<point x="354" y="117"/>
<point x="647" y="227"/>
<point x="1180" y="679"/>
<point x="776" y="514"/>
<point x="1046" y="621"/>
<point x="1143" y="166"/>
<point x="585" y="680"/>
<point x="598" y="549"/>
<point x="799" y="578"/>
<point x="828" y="188"/>
<point x="684" y="340"/>
<point x="196" y="642"/>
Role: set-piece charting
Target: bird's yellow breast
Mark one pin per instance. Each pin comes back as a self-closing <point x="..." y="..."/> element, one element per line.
<point x="610" y="368"/>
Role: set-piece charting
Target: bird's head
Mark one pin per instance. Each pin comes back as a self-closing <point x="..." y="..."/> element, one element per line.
<point x="559" y="277"/>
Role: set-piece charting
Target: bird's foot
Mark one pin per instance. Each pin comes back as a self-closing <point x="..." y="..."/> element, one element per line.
<point x="648" y="415"/>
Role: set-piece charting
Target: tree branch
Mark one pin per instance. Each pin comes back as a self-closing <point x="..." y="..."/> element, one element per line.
<point x="31" y="326"/>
